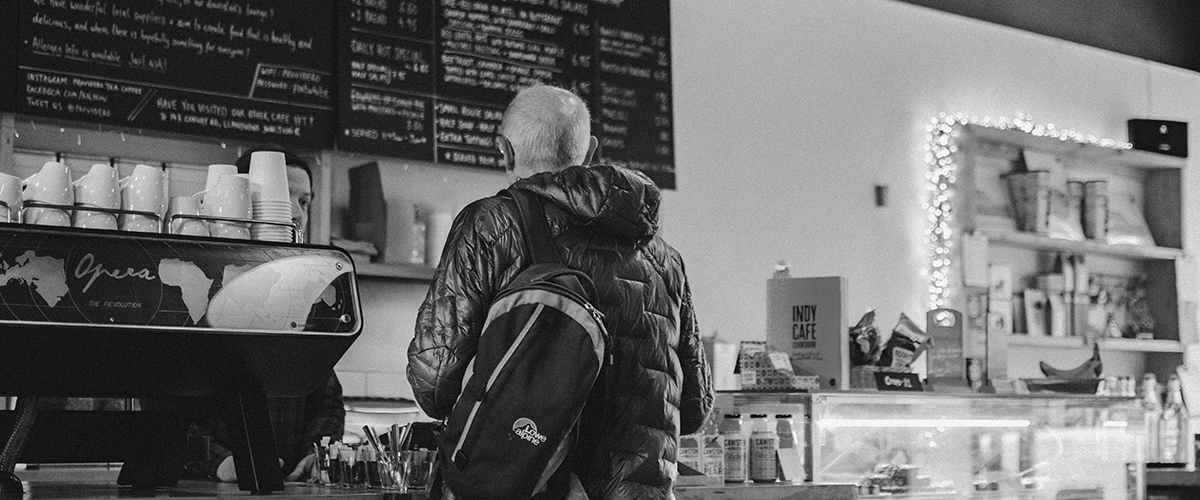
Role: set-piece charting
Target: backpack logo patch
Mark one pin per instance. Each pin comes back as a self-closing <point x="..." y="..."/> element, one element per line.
<point x="527" y="430"/>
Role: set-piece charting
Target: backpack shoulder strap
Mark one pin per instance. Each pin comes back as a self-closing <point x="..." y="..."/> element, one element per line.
<point x="532" y="217"/>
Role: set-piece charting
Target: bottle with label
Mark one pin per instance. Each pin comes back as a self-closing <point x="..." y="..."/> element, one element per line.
<point x="764" y="445"/>
<point x="714" y="456"/>
<point x="790" y="454"/>
<point x="1173" y="425"/>
<point x="1153" y="406"/>
<point x="736" y="446"/>
<point x="689" y="452"/>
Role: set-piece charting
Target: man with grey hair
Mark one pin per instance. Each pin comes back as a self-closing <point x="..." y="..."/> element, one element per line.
<point x="604" y="221"/>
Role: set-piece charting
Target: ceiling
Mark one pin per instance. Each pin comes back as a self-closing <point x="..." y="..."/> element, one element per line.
<point x="1166" y="31"/>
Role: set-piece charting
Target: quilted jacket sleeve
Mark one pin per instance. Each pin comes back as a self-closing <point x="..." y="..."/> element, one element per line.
<point x="451" y="318"/>
<point x="697" y="397"/>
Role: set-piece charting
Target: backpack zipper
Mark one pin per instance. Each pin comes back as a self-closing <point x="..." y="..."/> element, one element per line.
<point x="595" y="312"/>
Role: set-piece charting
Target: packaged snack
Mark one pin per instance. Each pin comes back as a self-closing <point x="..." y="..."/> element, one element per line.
<point x="864" y="341"/>
<point x="906" y="343"/>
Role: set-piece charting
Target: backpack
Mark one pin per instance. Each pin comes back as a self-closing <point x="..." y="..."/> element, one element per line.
<point x="541" y="350"/>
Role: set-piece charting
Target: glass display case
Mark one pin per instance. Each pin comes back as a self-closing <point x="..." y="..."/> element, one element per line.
<point x="927" y="445"/>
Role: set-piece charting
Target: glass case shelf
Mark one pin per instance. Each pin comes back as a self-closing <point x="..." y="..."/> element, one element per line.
<point x="932" y="445"/>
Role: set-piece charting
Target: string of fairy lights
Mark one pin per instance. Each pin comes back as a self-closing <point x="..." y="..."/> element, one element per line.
<point x="941" y="144"/>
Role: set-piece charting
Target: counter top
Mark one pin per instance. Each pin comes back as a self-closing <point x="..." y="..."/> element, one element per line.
<point x="771" y="491"/>
<point x="100" y="482"/>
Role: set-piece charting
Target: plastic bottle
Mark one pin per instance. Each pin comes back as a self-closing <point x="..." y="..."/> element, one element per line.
<point x="736" y="447"/>
<point x="787" y="445"/>
<point x="1173" y="425"/>
<point x="764" y="444"/>
<point x="1153" y="406"/>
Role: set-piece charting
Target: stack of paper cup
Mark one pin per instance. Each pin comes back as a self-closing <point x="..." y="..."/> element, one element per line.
<point x="269" y="196"/>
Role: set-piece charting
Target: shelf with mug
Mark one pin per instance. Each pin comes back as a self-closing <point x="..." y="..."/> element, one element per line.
<point x="413" y="272"/>
<point x="1039" y="242"/>
<point x="1106" y="344"/>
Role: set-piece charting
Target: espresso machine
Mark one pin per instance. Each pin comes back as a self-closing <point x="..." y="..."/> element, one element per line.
<point x="171" y="320"/>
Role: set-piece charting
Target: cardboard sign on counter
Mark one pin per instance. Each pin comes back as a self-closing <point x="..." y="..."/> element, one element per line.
<point x="891" y="381"/>
<point x="806" y="318"/>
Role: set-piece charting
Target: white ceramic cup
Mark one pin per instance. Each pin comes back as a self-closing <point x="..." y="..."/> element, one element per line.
<point x="215" y="171"/>
<point x="142" y="191"/>
<point x="97" y="188"/>
<point x="186" y="205"/>
<point x="229" y="198"/>
<point x="52" y="184"/>
<point x="268" y="177"/>
<point x="10" y="194"/>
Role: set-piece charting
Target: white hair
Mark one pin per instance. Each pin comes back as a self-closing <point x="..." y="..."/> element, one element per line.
<point x="549" y="128"/>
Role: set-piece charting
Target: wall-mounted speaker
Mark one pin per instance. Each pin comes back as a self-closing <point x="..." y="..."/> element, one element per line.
<point x="1159" y="136"/>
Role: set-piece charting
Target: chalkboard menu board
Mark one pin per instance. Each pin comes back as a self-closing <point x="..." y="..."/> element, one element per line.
<point x="252" y="69"/>
<point x="8" y="58"/>
<point x="429" y="79"/>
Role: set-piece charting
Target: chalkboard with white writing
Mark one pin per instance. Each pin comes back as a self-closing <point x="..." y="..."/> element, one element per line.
<point x="8" y="59"/>
<point x="259" y="70"/>
<point x="429" y="80"/>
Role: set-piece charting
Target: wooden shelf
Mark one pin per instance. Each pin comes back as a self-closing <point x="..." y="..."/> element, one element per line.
<point x="1037" y="242"/>
<point x="395" y="271"/>
<point x="1106" y="344"/>
<point x="1132" y="158"/>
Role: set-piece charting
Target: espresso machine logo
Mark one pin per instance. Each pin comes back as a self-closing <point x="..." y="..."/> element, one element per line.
<point x="115" y="285"/>
<point x="91" y="270"/>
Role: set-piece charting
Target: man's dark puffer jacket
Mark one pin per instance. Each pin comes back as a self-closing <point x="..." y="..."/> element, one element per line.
<point x="604" y="219"/>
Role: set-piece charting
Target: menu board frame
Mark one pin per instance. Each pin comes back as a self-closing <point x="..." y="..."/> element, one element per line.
<point x="255" y="71"/>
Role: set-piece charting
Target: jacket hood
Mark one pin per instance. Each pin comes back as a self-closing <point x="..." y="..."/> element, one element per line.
<point x="606" y="198"/>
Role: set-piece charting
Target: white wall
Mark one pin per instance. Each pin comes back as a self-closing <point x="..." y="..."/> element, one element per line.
<point x="787" y="113"/>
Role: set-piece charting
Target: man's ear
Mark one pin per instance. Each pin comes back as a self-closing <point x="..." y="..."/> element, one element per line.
<point x="593" y="143"/>
<point x="506" y="150"/>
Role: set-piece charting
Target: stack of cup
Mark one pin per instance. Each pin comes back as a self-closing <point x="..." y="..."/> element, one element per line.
<point x="51" y="185"/>
<point x="269" y="196"/>
<point x="185" y="205"/>
<point x="227" y="195"/>
<point x="10" y="194"/>
<point x="98" y="188"/>
<point x="142" y="191"/>
<point x="1031" y="197"/>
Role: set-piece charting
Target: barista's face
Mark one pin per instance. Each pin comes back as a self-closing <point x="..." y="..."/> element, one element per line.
<point x="300" y="186"/>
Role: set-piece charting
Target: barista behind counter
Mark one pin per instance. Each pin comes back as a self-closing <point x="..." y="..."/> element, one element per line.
<point x="297" y="422"/>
